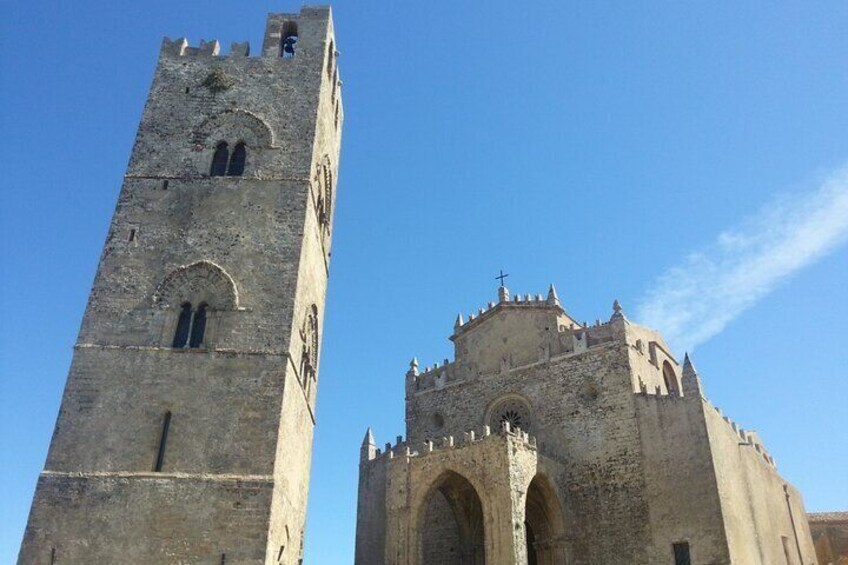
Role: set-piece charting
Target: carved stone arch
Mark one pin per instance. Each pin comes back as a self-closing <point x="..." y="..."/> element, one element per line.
<point x="235" y="126"/>
<point x="513" y="408"/>
<point x="202" y="282"/>
<point x="450" y="520"/>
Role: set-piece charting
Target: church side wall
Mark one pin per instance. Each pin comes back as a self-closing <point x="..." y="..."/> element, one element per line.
<point x="371" y="519"/>
<point x="754" y="505"/>
<point x="679" y="479"/>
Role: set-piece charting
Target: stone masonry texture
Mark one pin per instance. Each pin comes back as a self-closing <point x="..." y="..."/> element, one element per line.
<point x="547" y="441"/>
<point x="175" y="453"/>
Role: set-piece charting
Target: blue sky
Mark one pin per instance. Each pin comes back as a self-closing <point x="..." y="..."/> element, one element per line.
<point x="676" y="156"/>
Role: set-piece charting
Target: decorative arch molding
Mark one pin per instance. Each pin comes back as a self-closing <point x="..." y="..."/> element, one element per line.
<point x="235" y="125"/>
<point x="202" y="282"/>
<point x="512" y="407"/>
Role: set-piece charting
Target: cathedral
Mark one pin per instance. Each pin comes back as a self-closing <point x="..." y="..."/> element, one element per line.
<point x="550" y="441"/>
<point x="186" y="425"/>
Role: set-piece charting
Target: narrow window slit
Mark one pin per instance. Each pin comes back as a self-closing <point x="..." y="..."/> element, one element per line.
<point x="164" y="185"/>
<point x="163" y="440"/>
<point x="132" y="235"/>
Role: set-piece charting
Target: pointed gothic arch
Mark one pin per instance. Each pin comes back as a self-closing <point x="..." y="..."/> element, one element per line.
<point x="670" y="379"/>
<point x="544" y="523"/>
<point x="450" y="524"/>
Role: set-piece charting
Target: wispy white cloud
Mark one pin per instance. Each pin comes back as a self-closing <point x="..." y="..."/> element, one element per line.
<point x="695" y="300"/>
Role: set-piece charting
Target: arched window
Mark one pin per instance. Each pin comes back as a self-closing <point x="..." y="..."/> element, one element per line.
<point x="288" y="43"/>
<point x="670" y="378"/>
<point x="513" y="410"/>
<point x="220" y="159"/>
<point x="191" y="326"/>
<point x="236" y="168"/>
<point x="197" y="298"/>
<point x="198" y="327"/>
<point x="183" y="326"/>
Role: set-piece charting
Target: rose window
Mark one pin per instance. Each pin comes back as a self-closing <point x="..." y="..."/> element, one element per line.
<point x="514" y="411"/>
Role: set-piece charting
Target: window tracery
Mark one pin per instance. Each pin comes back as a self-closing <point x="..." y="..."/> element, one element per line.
<point x="514" y="411"/>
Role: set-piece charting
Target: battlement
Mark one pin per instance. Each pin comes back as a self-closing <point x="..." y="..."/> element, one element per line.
<point x="181" y="48"/>
<point x="746" y="437"/>
<point x="749" y="438"/>
<point x="295" y="37"/>
<point x="504" y="302"/>
<point x="511" y="334"/>
<point x="401" y="448"/>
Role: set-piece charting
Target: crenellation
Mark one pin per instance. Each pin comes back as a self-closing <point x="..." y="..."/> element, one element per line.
<point x="240" y="49"/>
<point x="564" y="339"/>
<point x="209" y="48"/>
<point x="449" y="442"/>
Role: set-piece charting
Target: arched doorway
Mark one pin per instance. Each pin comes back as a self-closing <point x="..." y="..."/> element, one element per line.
<point x="543" y="524"/>
<point x="451" y="524"/>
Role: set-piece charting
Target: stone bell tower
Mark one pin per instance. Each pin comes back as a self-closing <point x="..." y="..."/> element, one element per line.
<point x="186" y="425"/>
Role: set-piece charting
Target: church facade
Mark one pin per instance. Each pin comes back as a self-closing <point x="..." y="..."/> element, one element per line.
<point x="548" y="441"/>
<point x="186" y="425"/>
